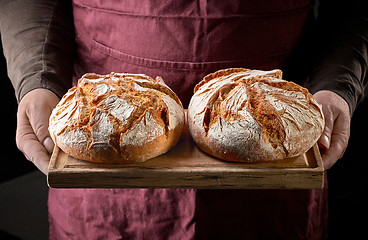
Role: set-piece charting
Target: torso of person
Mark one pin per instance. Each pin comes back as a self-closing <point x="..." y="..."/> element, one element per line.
<point x="182" y="41"/>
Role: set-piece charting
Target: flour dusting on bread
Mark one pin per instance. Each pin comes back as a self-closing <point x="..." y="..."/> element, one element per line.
<point x="251" y="115"/>
<point x="117" y="118"/>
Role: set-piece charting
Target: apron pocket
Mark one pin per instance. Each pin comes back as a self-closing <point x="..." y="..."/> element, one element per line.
<point x="264" y="62"/>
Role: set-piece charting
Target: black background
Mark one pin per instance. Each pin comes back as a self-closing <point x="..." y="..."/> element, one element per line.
<point x="13" y="163"/>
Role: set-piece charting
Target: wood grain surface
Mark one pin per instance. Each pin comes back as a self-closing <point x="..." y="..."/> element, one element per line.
<point x="185" y="166"/>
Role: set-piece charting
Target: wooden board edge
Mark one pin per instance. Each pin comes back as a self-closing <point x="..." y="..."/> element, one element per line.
<point x="54" y="156"/>
<point x="318" y="156"/>
<point x="291" y="179"/>
<point x="321" y="168"/>
<point x="52" y="164"/>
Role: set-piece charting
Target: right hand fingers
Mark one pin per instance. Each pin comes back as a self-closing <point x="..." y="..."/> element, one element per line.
<point x="33" y="150"/>
<point x="32" y="135"/>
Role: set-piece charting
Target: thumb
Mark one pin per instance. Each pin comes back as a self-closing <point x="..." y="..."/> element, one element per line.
<point x="39" y="123"/>
<point x="48" y="144"/>
<point x="39" y="120"/>
<point x="324" y="141"/>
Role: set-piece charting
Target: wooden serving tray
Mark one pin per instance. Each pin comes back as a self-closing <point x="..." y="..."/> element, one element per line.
<point x="185" y="166"/>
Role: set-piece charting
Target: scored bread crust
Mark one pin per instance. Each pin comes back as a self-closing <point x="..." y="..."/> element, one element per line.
<point x="248" y="115"/>
<point x="117" y="118"/>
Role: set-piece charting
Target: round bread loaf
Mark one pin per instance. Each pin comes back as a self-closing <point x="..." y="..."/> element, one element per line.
<point x="250" y="115"/>
<point x="117" y="118"/>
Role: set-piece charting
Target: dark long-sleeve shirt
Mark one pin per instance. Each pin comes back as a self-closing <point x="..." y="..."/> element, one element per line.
<point x="341" y="50"/>
<point x="38" y="43"/>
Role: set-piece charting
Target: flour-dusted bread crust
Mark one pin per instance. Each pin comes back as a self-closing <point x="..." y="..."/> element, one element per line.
<point x="250" y="115"/>
<point x="117" y="118"/>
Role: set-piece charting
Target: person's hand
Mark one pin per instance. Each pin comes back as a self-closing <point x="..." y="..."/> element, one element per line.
<point x="336" y="133"/>
<point x="32" y="135"/>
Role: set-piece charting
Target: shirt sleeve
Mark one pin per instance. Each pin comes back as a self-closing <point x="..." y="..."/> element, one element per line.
<point x="341" y="50"/>
<point x="38" y="44"/>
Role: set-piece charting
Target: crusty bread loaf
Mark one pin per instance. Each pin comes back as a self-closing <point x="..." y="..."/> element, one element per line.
<point x="250" y="115"/>
<point x="117" y="118"/>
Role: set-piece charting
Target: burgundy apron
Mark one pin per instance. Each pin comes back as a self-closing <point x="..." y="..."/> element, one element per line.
<point x="182" y="41"/>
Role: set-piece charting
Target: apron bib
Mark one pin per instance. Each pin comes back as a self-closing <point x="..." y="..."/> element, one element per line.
<point x="182" y="41"/>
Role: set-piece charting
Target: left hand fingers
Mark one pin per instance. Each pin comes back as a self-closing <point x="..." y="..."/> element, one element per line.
<point x="337" y="126"/>
<point x="339" y="142"/>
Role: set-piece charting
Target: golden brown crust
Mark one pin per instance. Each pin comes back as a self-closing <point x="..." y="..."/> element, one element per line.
<point x="117" y="118"/>
<point x="251" y="115"/>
